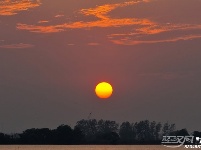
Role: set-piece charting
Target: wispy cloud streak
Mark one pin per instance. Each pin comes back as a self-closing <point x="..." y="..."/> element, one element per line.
<point x="16" y="46"/>
<point x="136" y="42"/>
<point x="103" y="20"/>
<point x="141" y="27"/>
<point x="12" y="7"/>
<point x="101" y="12"/>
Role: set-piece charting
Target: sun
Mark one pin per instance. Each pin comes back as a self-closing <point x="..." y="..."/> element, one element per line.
<point x="103" y="90"/>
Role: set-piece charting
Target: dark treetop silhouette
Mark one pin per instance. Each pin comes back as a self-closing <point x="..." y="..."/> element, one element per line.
<point x="97" y="132"/>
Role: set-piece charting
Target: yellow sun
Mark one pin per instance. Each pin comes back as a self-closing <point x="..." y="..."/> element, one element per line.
<point x="103" y="90"/>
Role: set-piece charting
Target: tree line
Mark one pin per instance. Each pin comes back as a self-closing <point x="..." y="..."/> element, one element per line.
<point x="97" y="132"/>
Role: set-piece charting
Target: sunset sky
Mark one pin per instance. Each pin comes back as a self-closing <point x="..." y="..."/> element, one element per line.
<point x="53" y="53"/>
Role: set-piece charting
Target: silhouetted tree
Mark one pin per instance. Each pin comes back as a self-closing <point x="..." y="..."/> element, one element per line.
<point x="167" y="129"/>
<point x="107" y="126"/>
<point x="107" y="138"/>
<point x="107" y="132"/>
<point x="143" y="132"/>
<point x="63" y="135"/>
<point x="78" y="136"/>
<point x="36" y="136"/>
<point x="127" y="133"/>
<point x="4" y="139"/>
<point x="155" y="129"/>
<point x="97" y="132"/>
<point x="182" y="132"/>
<point x="88" y="128"/>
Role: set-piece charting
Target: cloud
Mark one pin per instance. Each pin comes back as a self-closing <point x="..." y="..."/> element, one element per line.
<point x="79" y="25"/>
<point x="71" y="44"/>
<point x="17" y="46"/>
<point x="43" y="21"/>
<point x="93" y="44"/>
<point x="141" y="27"/>
<point x="59" y="16"/>
<point x="12" y="7"/>
<point x="136" y="42"/>
<point x="158" y="28"/>
<point x="101" y="12"/>
<point x="138" y="34"/>
<point x="103" y="20"/>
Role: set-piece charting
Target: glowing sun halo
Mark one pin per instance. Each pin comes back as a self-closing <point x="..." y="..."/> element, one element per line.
<point x="103" y="90"/>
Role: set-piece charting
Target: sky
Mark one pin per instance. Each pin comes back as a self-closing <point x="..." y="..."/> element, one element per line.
<point x="54" y="53"/>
